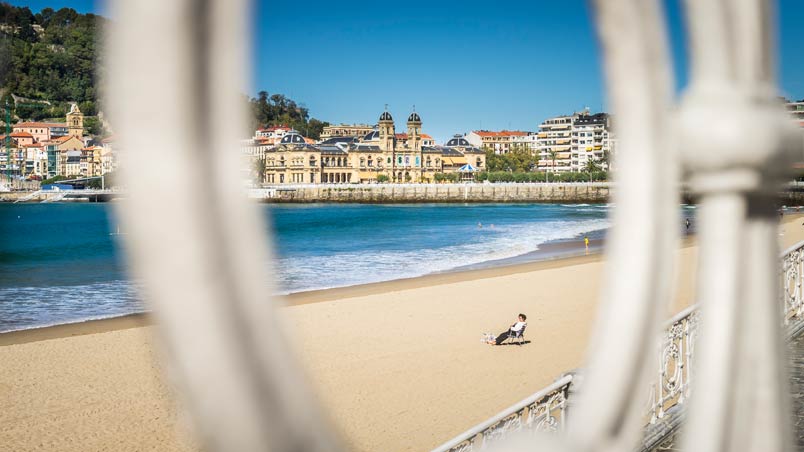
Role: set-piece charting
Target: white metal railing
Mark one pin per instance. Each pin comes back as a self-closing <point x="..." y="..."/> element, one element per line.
<point x="544" y="411"/>
<point x="675" y="364"/>
<point x="792" y="274"/>
<point x="671" y="387"/>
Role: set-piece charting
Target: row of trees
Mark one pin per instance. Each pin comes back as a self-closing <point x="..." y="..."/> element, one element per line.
<point x="539" y="176"/>
<point x="276" y="109"/>
<point x="523" y="160"/>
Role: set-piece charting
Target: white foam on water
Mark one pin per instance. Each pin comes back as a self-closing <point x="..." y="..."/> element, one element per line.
<point x="34" y="307"/>
<point x="350" y="268"/>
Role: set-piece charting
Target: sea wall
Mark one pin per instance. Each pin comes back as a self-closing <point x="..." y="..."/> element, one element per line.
<point x="413" y="193"/>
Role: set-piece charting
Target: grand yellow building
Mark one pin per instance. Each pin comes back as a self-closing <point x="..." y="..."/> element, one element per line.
<point x="382" y="154"/>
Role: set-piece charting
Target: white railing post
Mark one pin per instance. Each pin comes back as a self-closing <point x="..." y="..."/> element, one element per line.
<point x="194" y="241"/>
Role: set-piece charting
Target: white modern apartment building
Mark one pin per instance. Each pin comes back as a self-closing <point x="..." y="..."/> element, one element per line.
<point x="569" y="143"/>
<point x="590" y="134"/>
<point x="554" y="144"/>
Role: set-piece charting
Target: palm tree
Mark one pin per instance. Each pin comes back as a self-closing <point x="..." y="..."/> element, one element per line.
<point x="553" y="154"/>
<point x="592" y="166"/>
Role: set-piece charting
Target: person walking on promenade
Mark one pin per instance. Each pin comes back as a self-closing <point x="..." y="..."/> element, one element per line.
<point x="517" y="326"/>
<point x="687" y="224"/>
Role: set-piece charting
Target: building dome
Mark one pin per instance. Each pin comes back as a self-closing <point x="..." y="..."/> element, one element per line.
<point x="414" y="117"/>
<point x="385" y="116"/>
<point x="292" y="138"/>
<point x="458" y="141"/>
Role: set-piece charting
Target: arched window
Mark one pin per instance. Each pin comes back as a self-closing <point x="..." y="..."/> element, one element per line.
<point x="362" y="162"/>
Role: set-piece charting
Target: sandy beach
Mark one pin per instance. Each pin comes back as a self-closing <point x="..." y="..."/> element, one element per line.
<point x="399" y="365"/>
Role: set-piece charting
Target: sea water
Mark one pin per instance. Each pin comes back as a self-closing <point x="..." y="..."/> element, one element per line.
<point x="62" y="263"/>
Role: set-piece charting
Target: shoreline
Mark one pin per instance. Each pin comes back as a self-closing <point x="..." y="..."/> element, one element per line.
<point x="141" y="319"/>
<point x="551" y="260"/>
<point x="555" y="250"/>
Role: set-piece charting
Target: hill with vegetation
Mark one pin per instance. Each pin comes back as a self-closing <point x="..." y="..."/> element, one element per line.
<point x="276" y="110"/>
<point x="51" y="59"/>
<point x="54" y="57"/>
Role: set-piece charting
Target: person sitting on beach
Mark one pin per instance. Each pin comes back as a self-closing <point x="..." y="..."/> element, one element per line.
<point x="513" y="329"/>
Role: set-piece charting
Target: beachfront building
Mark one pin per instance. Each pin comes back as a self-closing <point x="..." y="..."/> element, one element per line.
<point x="529" y="142"/>
<point x="554" y="144"/>
<point x="570" y="143"/>
<point x="346" y="130"/>
<point x="35" y="161"/>
<point x="45" y="149"/>
<point x="381" y="154"/>
<point x="42" y="131"/>
<point x="500" y="142"/>
<point x="590" y="134"/>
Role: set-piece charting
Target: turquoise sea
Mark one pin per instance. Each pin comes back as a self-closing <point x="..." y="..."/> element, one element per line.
<point x="59" y="263"/>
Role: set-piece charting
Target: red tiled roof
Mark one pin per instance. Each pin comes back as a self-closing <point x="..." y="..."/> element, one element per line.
<point x="40" y="124"/>
<point x="21" y="135"/>
<point x="63" y="139"/>
<point x="273" y="128"/>
<point x="426" y="137"/>
<point x="34" y="145"/>
<point x="502" y="133"/>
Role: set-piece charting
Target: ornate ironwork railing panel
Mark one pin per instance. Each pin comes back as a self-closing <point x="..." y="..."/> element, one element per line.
<point x="792" y="273"/>
<point x="675" y="364"/>
<point x="544" y="411"/>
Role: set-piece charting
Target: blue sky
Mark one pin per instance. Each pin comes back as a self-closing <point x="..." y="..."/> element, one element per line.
<point x="465" y="64"/>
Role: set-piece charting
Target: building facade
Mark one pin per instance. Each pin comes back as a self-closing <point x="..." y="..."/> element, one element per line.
<point x="346" y="130"/>
<point x="572" y="143"/>
<point x="380" y="155"/>
<point x="500" y="142"/>
<point x="42" y="131"/>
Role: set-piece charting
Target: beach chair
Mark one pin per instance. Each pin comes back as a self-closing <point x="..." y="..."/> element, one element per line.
<point x="518" y="335"/>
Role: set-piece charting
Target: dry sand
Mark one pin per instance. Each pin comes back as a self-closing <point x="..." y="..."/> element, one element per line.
<point x="399" y="365"/>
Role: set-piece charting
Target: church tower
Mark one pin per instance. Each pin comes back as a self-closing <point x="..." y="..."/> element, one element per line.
<point x="75" y="122"/>
<point x="386" y="125"/>
<point x="415" y="131"/>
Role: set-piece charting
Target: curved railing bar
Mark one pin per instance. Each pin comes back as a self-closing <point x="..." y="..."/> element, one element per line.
<point x="199" y="248"/>
<point x="608" y="414"/>
<point x="736" y="165"/>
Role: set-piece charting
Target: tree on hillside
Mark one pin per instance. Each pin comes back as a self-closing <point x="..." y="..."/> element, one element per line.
<point x="276" y="109"/>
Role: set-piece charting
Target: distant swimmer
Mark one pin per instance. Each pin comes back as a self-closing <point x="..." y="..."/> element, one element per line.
<point x="480" y="225"/>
